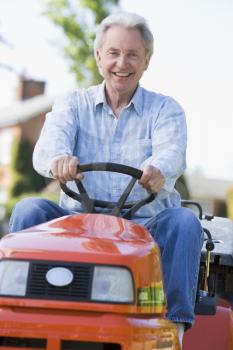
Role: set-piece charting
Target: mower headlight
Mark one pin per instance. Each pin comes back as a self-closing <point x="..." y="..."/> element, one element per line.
<point x="13" y="277"/>
<point x="112" y="284"/>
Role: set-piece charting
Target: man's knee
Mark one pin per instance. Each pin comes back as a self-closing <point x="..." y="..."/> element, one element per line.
<point x="28" y="212"/>
<point x="189" y="224"/>
<point x="183" y="223"/>
<point x="28" y="205"/>
<point x="187" y="216"/>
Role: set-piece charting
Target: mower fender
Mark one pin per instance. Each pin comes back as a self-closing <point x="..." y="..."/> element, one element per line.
<point x="211" y="332"/>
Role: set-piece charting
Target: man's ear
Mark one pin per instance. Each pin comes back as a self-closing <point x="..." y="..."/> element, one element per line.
<point x="98" y="58"/>
<point x="98" y="61"/>
<point x="147" y="61"/>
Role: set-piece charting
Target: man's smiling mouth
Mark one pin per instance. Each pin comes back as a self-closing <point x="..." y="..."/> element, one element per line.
<point x="122" y="75"/>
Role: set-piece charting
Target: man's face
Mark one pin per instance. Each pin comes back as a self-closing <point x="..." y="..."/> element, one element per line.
<point x="122" y="59"/>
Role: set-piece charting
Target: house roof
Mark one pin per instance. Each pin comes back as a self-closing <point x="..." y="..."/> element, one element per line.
<point x="21" y="111"/>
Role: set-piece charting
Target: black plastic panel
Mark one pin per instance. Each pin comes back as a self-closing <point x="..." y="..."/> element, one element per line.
<point x="78" y="290"/>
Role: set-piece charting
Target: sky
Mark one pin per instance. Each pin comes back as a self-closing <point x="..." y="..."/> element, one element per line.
<point x="192" y="63"/>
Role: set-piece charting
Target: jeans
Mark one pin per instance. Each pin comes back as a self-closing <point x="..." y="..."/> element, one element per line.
<point x="178" y="233"/>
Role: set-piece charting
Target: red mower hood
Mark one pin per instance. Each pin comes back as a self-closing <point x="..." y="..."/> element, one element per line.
<point x="79" y="234"/>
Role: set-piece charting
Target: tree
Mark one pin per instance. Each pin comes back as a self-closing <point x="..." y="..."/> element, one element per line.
<point x="78" y="19"/>
<point x="25" y="179"/>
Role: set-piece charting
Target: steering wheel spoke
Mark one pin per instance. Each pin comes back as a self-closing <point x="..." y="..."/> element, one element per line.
<point x="87" y="202"/>
<point x="116" y="211"/>
<point x="130" y="212"/>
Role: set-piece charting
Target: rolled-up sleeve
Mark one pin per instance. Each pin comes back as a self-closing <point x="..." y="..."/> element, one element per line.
<point x="169" y="142"/>
<point x="58" y="135"/>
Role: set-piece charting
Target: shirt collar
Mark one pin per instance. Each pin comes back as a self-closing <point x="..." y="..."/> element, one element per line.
<point x="100" y="96"/>
<point x="136" y="101"/>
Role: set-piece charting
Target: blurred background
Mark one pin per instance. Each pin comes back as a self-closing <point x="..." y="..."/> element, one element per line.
<point x="46" y="48"/>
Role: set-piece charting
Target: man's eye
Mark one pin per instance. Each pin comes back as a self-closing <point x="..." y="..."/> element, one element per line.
<point x="113" y="53"/>
<point x="132" y="54"/>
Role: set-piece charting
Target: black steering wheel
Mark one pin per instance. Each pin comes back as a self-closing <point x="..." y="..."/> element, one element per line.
<point x="89" y="204"/>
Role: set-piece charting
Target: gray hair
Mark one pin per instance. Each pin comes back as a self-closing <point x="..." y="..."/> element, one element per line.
<point x="129" y="21"/>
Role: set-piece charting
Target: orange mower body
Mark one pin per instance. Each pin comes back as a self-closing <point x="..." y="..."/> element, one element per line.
<point x="85" y="282"/>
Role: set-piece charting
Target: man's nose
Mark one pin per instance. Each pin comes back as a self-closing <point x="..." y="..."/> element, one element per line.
<point x="122" y="61"/>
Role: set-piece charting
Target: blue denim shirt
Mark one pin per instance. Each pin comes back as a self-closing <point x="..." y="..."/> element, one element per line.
<point x="151" y="129"/>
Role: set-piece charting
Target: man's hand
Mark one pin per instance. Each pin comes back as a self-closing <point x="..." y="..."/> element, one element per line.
<point x="152" y="179"/>
<point x="65" y="169"/>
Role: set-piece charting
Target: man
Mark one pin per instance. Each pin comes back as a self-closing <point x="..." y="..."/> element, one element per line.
<point x="119" y="121"/>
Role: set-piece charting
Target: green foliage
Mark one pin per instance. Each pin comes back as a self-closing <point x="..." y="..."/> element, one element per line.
<point x="25" y="179"/>
<point x="229" y="203"/>
<point x="182" y="187"/>
<point x="78" y="19"/>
